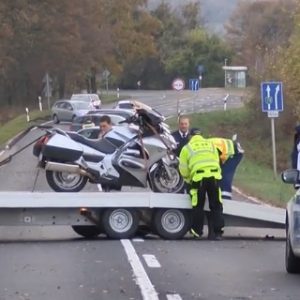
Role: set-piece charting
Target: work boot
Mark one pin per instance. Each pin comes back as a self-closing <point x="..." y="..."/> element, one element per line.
<point x="218" y="236"/>
<point x="195" y="234"/>
<point x="212" y="236"/>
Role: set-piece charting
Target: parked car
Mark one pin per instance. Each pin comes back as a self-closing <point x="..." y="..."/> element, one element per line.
<point x="92" y="120"/>
<point x="133" y="104"/>
<point x="93" y="99"/>
<point x="66" y="110"/>
<point x="292" y="245"/>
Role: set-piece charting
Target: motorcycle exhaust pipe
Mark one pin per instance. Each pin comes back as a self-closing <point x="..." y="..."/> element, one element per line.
<point x="68" y="168"/>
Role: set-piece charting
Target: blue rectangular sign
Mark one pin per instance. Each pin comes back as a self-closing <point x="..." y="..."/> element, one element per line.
<point x="271" y="96"/>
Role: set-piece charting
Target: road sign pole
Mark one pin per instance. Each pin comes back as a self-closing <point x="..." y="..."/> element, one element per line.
<point x="274" y="147"/>
<point x="48" y="90"/>
<point x="177" y="107"/>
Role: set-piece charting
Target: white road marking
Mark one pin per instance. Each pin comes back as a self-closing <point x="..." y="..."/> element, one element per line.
<point x="253" y="199"/>
<point x="99" y="187"/>
<point x="140" y="275"/>
<point x="173" y="297"/>
<point x="1" y="153"/>
<point x="138" y="240"/>
<point x="151" y="261"/>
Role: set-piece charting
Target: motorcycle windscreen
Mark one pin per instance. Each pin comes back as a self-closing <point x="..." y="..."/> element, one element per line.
<point x="62" y="148"/>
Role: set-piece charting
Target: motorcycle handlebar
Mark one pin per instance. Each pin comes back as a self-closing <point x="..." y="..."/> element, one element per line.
<point x="130" y="119"/>
<point x="124" y="121"/>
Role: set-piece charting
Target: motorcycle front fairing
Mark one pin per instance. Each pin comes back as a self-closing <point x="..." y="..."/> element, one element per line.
<point x="135" y="165"/>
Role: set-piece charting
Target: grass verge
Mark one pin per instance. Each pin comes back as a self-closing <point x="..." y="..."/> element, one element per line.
<point x="254" y="175"/>
<point x="16" y="125"/>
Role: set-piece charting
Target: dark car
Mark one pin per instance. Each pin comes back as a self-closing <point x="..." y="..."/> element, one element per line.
<point x="110" y="111"/>
<point x="292" y="222"/>
<point x="92" y="120"/>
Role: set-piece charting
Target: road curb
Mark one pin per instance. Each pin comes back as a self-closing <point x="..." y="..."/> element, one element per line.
<point x="253" y="199"/>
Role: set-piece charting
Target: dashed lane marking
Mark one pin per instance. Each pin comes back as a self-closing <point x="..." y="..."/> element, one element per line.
<point x="173" y="297"/>
<point x="138" y="240"/>
<point x="141" y="278"/>
<point x="151" y="261"/>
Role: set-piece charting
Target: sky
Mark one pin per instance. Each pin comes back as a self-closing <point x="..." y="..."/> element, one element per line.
<point x="215" y="12"/>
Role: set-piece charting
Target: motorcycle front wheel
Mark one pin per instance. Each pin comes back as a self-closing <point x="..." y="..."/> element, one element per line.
<point x="161" y="182"/>
<point x="65" y="182"/>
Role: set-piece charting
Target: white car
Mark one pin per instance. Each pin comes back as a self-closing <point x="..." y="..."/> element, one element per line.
<point x="292" y="249"/>
<point x="133" y="104"/>
<point x="93" y="99"/>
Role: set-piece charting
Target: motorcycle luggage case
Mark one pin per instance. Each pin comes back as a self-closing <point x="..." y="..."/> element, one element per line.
<point x="62" y="148"/>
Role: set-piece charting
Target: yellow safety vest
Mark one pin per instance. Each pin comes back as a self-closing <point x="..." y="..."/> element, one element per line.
<point x="199" y="159"/>
<point x="225" y="146"/>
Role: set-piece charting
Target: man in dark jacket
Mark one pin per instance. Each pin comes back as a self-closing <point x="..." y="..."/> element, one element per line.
<point x="181" y="135"/>
<point x="295" y="151"/>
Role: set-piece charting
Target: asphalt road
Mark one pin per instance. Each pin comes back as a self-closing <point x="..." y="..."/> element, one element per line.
<point x="54" y="263"/>
<point x="170" y="102"/>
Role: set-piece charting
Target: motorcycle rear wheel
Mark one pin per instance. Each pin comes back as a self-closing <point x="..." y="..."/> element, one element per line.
<point x="65" y="182"/>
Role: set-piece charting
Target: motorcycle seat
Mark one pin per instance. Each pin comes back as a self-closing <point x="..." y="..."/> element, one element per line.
<point x="101" y="145"/>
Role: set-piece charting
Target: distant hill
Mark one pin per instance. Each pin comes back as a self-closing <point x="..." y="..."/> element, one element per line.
<point x="215" y="12"/>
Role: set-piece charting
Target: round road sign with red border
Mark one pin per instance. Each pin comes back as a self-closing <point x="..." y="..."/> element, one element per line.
<point x="178" y="84"/>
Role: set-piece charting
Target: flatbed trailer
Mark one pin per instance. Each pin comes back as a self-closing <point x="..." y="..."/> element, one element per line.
<point x="121" y="214"/>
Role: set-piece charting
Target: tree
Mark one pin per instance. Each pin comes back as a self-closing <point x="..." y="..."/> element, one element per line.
<point x="257" y="30"/>
<point x="200" y="49"/>
<point x="191" y="13"/>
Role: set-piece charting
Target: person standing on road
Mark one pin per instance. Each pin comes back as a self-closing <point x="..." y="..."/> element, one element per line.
<point x="105" y="125"/>
<point x="231" y="156"/>
<point x="295" y="155"/>
<point x="199" y="165"/>
<point x="181" y="135"/>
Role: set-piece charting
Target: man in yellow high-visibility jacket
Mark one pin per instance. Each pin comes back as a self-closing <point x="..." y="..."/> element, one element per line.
<point x="199" y="165"/>
<point x="231" y="156"/>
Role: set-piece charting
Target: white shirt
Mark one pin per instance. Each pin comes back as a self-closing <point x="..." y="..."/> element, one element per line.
<point x="183" y="134"/>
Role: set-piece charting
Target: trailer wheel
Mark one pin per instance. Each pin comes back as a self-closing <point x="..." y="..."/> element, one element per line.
<point x="120" y="223"/>
<point x="171" y="223"/>
<point x="89" y="231"/>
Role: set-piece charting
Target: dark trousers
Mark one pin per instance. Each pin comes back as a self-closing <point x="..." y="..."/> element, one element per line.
<point x="228" y="171"/>
<point x="210" y="187"/>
